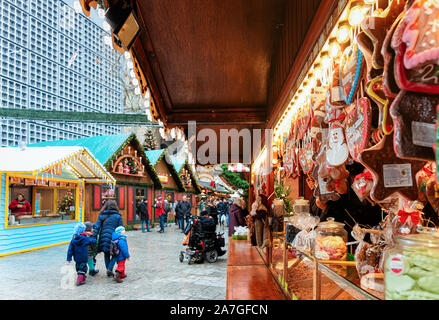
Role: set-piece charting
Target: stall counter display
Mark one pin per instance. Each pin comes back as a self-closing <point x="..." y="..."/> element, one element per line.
<point x="412" y="268"/>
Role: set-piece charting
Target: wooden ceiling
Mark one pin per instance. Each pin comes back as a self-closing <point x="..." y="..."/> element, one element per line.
<point x="215" y="61"/>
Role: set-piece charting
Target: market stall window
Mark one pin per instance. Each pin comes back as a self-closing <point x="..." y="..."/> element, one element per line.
<point x="106" y="192"/>
<point x="31" y="205"/>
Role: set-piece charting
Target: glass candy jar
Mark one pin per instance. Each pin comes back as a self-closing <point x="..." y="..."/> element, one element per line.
<point x="411" y="268"/>
<point x="331" y="238"/>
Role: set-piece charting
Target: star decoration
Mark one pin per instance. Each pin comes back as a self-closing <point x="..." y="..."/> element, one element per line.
<point x="382" y="154"/>
<point x="376" y="28"/>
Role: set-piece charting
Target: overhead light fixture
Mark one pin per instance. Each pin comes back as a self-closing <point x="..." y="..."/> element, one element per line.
<point x="343" y="31"/>
<point x="124" y="23"/>
<point x="334" y="47"/>
<point x="356" y="13"/>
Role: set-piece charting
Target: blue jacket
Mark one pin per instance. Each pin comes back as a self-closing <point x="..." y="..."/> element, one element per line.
<point x="123" y="246"/>
<point x="112" y="219"/>
<point x="78" y="248"/>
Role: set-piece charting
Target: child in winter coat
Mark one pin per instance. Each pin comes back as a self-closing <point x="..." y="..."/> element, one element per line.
<point x="91" y="250"/>
<point x="78" y="249"/>
<point x="121" y="239"/>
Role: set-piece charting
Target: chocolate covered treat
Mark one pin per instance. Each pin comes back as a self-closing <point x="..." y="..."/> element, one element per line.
<point x="414" y="117"/>
<point x="390" y="173"/>
<point x="376" y="27"/>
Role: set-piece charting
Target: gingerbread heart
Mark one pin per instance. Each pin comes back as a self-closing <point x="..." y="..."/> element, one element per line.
<point x="422" y="34"/>
<point x="357" y="126"/>
<point x="390" y="173"/>
<point x="351" y="69"/>
<point x="336" y="96"/>
<point x="376" y="27"/>
<point x="306" y="158"/>
<point x="304" y="121"/>
<point x="414" y="118"/>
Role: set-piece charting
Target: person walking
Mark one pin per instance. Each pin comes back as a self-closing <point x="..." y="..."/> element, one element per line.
<point x="213" y="211"/>
<point x="120" y="240"/>
<point x="142" y="208"/>
<point x="78" y="249"/>
<point x="109" y="219"/>
<point x="236" y="215"/>
<point x="160" y="211"/>
<point x="184" y="208"/>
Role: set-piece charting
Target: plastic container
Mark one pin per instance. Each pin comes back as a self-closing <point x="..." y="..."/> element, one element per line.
<point x="331" y="238"/>
<point x="411" y="268"/>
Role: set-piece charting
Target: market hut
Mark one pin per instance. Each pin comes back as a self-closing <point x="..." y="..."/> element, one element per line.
<point x="51" y="182"/>
<point x="169" y="178"/>
<point x="124" y="157"/>
<point x="189" y="180"/>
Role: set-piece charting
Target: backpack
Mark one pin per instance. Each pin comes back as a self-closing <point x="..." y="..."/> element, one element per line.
<point x="114" y="248"/>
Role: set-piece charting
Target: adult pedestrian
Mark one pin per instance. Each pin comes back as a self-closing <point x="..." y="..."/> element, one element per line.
<point x="201" y="206"/>
<point x="183" y="210"/>
<point x="212" y="210"/>
<point x="142" y="208"/>
<point x="109" y="219"/>
<point x="223" y="212"/>
<point x="160" y="211"/>
<point x="236" y="215"/>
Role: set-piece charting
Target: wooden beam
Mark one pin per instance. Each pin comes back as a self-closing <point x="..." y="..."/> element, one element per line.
<point x="320" y="20"/>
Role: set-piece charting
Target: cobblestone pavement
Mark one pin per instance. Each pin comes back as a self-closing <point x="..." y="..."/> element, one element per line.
<point x="154" y="272"/>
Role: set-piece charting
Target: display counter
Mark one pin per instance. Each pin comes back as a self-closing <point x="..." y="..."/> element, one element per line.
<point x="303" y="277"/>
<point x="247" y="275"/>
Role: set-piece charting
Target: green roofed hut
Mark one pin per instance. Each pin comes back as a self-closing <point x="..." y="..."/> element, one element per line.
<point x="189" y="180"/>
<point x="168" y="175"/>
<point x="124" y="157"/>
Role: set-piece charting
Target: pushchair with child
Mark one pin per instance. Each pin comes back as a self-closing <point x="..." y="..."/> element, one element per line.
<point x="202" y="241"/>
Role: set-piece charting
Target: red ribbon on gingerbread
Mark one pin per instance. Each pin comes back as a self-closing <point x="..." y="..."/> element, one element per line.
<point x="404" y="215"/>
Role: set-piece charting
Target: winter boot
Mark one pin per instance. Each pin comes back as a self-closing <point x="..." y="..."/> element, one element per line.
<point x="93" y="272"/>
<point x="117" y="277"/>
<point x="110" y="273"/>
<point x="80" y="280"/>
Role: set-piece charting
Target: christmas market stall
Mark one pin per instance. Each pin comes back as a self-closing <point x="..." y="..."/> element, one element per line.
<point x="43" y="194"/>
<point x="170" y="180"/>
<point x="123" y="156"/>
<point x="351" y="170"/>
<point x="189" y="179"/>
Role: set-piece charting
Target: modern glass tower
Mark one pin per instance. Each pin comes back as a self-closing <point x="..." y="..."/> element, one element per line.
<point x="52" y="58"/>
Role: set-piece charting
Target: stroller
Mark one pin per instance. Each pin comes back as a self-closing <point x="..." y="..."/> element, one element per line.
<point x="202" y="240"/>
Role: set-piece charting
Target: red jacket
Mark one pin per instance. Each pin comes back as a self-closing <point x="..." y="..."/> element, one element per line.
<point x="160" y="207"/>
<point x="16" y="211"/>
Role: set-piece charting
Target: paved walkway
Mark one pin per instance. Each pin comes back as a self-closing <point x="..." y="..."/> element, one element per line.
<point x="154" y="272"/>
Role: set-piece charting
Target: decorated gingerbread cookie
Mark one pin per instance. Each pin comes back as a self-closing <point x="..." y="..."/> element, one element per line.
<point x="306" y="157"/>
<point x="337" y="151"/>
<point x="376" y="27"/>
<point x="351" y="70"/>
<point x="390" y="87"/>
<point x="376" y="92"/>
<point x="390" y="173"/>
<point x="336" y="95"/>
<point x="357" y="126"/>
<point x="305" y="121"/>
<point x="414" y="118"/>
<point x="366" y="46"/>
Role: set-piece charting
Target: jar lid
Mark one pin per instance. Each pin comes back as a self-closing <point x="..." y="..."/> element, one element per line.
<point x="301" y="201"/>
<point x="424" y="239"/>
<point x="331" y="224"/>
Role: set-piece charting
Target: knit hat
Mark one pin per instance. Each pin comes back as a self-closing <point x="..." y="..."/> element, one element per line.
<point x="119" y="230"/>
<point x="79" y="228"/>
<point x="88" y="226"/>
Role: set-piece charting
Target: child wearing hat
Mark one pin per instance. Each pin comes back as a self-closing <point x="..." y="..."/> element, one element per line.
<point x="91" y="250"/>
<point x="121" y="238"/>
<point x="78" y="249"/>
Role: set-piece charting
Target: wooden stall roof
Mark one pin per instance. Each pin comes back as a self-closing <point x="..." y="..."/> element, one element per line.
<point x="106" y="148"/>
<point x="223" y="62"/>
<point x="157" y="155"/>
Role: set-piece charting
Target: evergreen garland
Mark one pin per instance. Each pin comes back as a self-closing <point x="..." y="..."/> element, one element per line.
<point x="234" y="178"/>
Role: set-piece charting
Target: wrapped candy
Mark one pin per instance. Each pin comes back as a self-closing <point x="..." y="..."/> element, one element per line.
<point x="305" y="239"/>
<point x="363" y="184"/>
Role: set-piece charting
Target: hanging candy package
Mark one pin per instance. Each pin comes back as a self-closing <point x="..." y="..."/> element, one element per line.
<point x="305" y="239"/>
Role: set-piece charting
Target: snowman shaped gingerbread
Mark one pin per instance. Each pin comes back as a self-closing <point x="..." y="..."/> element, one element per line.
<point x="337" y="151"/>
